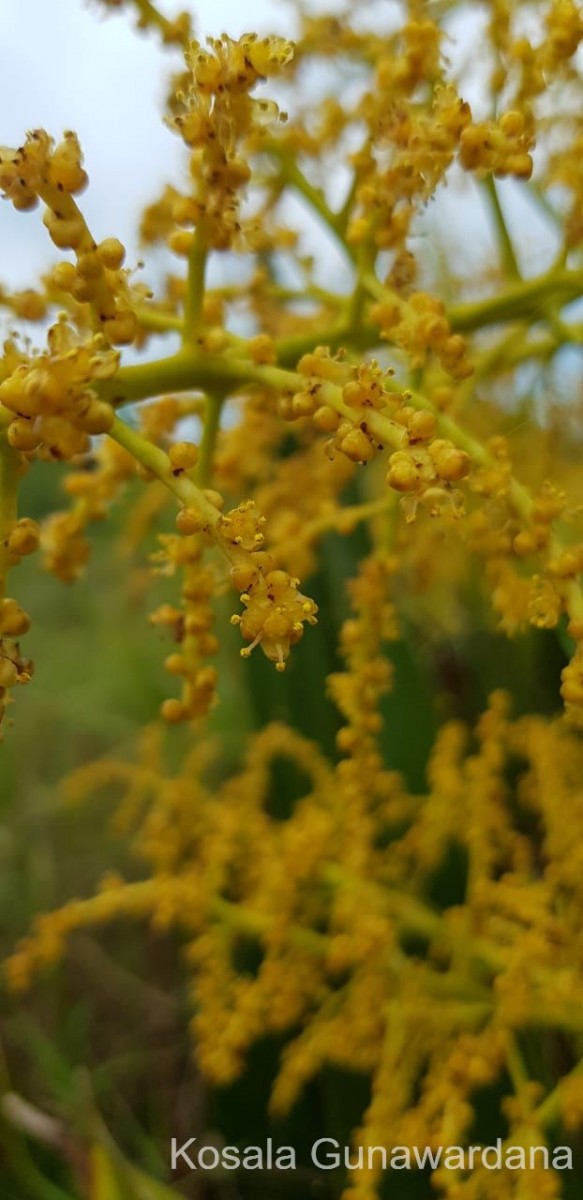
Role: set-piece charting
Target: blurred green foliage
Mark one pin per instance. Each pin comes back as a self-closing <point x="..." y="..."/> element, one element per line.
<point x="101" y="1042"/>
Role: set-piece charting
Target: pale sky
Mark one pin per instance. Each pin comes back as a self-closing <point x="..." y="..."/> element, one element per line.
<point x="69" y="64"/>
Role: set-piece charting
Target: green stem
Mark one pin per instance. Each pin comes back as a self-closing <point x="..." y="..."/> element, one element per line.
<point x="550" y="1108"/>
<point x="150" y="15"/>
<point x="152" y="459"/>
<point x="190" y="370"/>
<point x="291" y="174"/>
<point x="212" y="422"/>
<point x="343" y="216"/>
<point x="354" y="334"/>
<point x="9" y="478"/>
<point x="365" y="260"/>
<point x="410" y="914"/>
<point x="515" y="1064"/>
<point x="507" y="253"/>
<point x="256" y="925"/>
<point x="522" y="299"/>
<point x="187" y="371"/>
<point x="197" y="261"/>
<point x="545" y="206"/>
<point x="158" y="322"/>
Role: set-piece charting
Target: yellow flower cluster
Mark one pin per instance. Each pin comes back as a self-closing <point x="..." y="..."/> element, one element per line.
<point x="423" y="141"/>
<point x="501" y="148"/>
<point x="383" y="443"/>
<point x="91" y="489"/>
<point x="275" y="612"/>
<point x="54" y="407"/>
<point x="334" y="895"/>
<point x="218" y="120"/>
<point x="419" y="326"/>
<point x="14" y="668"/>
<point x="190" y="625"/>
<point x="40" y="170"/>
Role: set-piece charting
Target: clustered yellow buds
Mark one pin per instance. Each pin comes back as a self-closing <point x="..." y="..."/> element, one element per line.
<point x="572" y="676"/>
<point x="237" y="66"/>
<point x="64" y="544"/>
<point x="191" y="627"/>
<point x="275" y="613"/>
<point x="14" y="622"/>
<point x="498" y="147"/>
<point x="55" y="410"/>
<point x="98" y="279"/>
<point x="367" y="675"/>
<point x="427" y="474"/>
<point x="425" y="466"/>
<point x="242" y="527"/>
<point x="24" y="172"/>
<point x="216" y="117"/>
<point x="424" y="141"/>
<point x="419" y="326"/>
<point x="39" y="169"/>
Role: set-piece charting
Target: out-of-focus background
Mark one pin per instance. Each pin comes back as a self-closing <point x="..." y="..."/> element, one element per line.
<point x="74" y="64"/>
<point x="110" y="1026"/>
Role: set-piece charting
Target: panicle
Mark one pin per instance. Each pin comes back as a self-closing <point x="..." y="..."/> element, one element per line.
<point x="220" y="122"/>
<point x="395" y="413"/>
